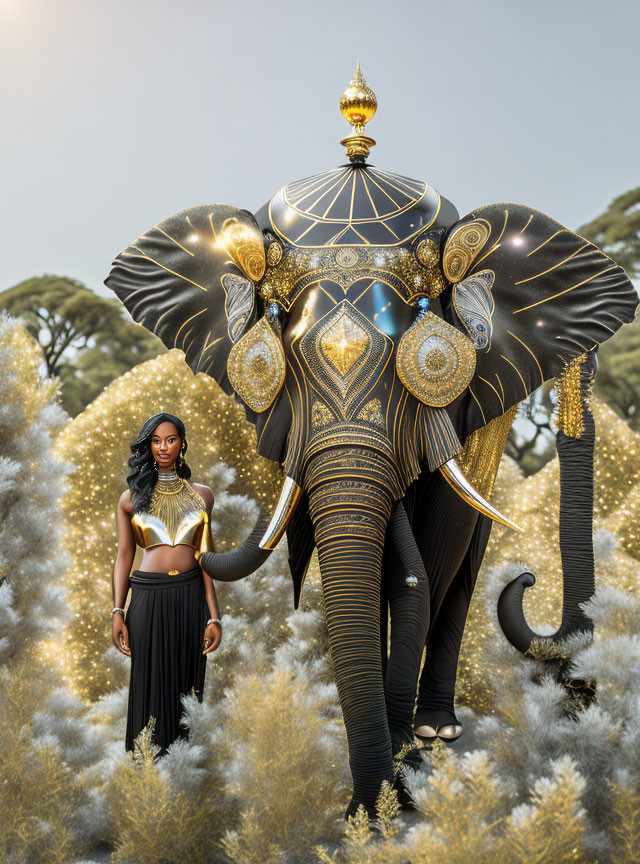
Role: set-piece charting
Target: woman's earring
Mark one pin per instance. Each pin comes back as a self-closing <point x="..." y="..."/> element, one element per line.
<point x="155" y="465"/>
<point x="181" y="459"/>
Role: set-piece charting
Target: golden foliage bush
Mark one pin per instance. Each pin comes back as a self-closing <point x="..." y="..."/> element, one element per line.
<point x="272" y="780"/>
<point x="624" y="832"/>
<point x="469" y="816"/>
<point x="152" y="823"/>
<point x="39" y="792"/>
<point x="285" y="756"/>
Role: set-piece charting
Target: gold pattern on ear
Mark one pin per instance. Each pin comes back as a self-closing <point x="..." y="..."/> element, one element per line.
<point x="256" y="366"/>
<point x="245" y="245"/>
<point x="435" y="361"/>
<point x="462" y="248"/>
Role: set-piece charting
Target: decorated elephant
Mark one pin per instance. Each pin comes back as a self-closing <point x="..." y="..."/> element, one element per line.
<point x="380" y="345"/>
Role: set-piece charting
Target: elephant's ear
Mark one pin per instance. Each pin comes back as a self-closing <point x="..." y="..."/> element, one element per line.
<point x="191" y="281"/>
<point x="531" y="295"/>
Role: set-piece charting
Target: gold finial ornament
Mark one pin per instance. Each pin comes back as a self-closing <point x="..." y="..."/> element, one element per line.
<point x="358" y="104"/>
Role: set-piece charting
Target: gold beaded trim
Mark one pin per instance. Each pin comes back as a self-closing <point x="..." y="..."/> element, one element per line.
<point x="413" y="274"/>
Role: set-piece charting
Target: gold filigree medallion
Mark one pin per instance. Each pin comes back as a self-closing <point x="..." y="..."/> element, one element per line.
<point x="346" y="257"/>
<point x="256" y="366"/>
<point x="428" y="253"/>
<point x="274" y="253"/>
<point x="435" y="361"/>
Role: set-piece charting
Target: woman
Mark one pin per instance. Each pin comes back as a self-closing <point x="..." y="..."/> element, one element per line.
<point x="173" y="620"/>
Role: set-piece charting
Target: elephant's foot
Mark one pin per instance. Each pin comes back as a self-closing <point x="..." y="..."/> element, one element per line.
<point x="353" y="807"/>
<point x="404" y="746"/>
<point x="430" y="724"/>
<point x="405" y="800"/>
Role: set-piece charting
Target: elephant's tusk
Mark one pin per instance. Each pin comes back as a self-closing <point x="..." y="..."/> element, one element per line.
<point x="456" y="479"/>
<point x="289" y="497"/>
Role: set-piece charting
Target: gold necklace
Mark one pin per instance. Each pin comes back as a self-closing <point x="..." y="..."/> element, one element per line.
<point x="172" y="501"/>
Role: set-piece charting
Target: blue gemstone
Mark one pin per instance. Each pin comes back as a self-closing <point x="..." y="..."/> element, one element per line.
<point x="423" y="304"/>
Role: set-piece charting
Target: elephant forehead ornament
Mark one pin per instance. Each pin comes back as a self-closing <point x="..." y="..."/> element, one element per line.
<point x="379" y="343"/>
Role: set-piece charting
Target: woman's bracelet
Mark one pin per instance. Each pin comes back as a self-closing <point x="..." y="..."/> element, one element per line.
<point x="117" y="609"/>
<point x="215" y="621"/>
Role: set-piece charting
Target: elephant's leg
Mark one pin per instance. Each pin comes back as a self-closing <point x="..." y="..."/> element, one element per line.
<point x="408" y="596"/>
<point x="350" y="509"/>
<point x="437" y="683"/>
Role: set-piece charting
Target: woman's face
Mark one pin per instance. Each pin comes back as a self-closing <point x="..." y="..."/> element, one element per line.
<point x="165" y="445"/>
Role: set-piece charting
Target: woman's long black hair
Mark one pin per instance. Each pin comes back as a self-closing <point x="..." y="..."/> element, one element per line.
<point x="143" y="474"/>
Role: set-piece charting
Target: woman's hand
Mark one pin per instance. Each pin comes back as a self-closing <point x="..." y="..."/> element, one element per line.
<point x="120" y="634"/>
<point x="212" y="637"/>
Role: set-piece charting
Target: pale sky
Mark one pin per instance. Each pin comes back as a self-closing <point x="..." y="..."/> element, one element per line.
<point x="118" y="113"/>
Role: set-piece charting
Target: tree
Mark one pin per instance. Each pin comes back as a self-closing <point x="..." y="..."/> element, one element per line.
<point x="617" y="231"/>
<point x="531" y="441"/>
<point x="86" y="340"/>
<point x="618" y="379"/>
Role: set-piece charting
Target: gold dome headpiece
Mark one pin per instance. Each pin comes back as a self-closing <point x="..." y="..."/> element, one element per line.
<point x="358" y="104"/>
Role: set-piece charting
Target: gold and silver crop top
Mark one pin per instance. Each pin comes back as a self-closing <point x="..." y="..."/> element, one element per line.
<point x="177" y="514"/>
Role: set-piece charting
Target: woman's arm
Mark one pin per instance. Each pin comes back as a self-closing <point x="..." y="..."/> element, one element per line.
<point x="121" y="571"/>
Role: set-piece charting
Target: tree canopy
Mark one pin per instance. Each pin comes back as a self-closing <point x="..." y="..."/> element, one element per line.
<point x="86" y="339"/>
<point x="617" y="231"/>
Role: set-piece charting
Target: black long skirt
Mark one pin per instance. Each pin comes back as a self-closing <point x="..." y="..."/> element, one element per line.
<point x="166" y="620"/>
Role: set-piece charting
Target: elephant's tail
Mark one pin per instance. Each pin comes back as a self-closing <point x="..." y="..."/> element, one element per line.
<point x="575" y="445"/>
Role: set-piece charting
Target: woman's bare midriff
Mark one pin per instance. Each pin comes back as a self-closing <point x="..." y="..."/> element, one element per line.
<point x="161" y="559"/>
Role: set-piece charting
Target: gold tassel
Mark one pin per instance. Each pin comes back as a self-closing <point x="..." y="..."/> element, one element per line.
<point x="480" y="457"/>
<point x="570" y="406"/>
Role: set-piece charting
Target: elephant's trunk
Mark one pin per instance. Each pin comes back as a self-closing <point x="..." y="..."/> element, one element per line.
<point x="351" y="491"/>
<point x="241" y="561"/>
<point x="575" y="456"/>
<point x="264" y="537"/>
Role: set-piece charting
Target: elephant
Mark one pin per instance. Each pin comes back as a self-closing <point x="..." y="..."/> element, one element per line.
<point x="380" y="344"/>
